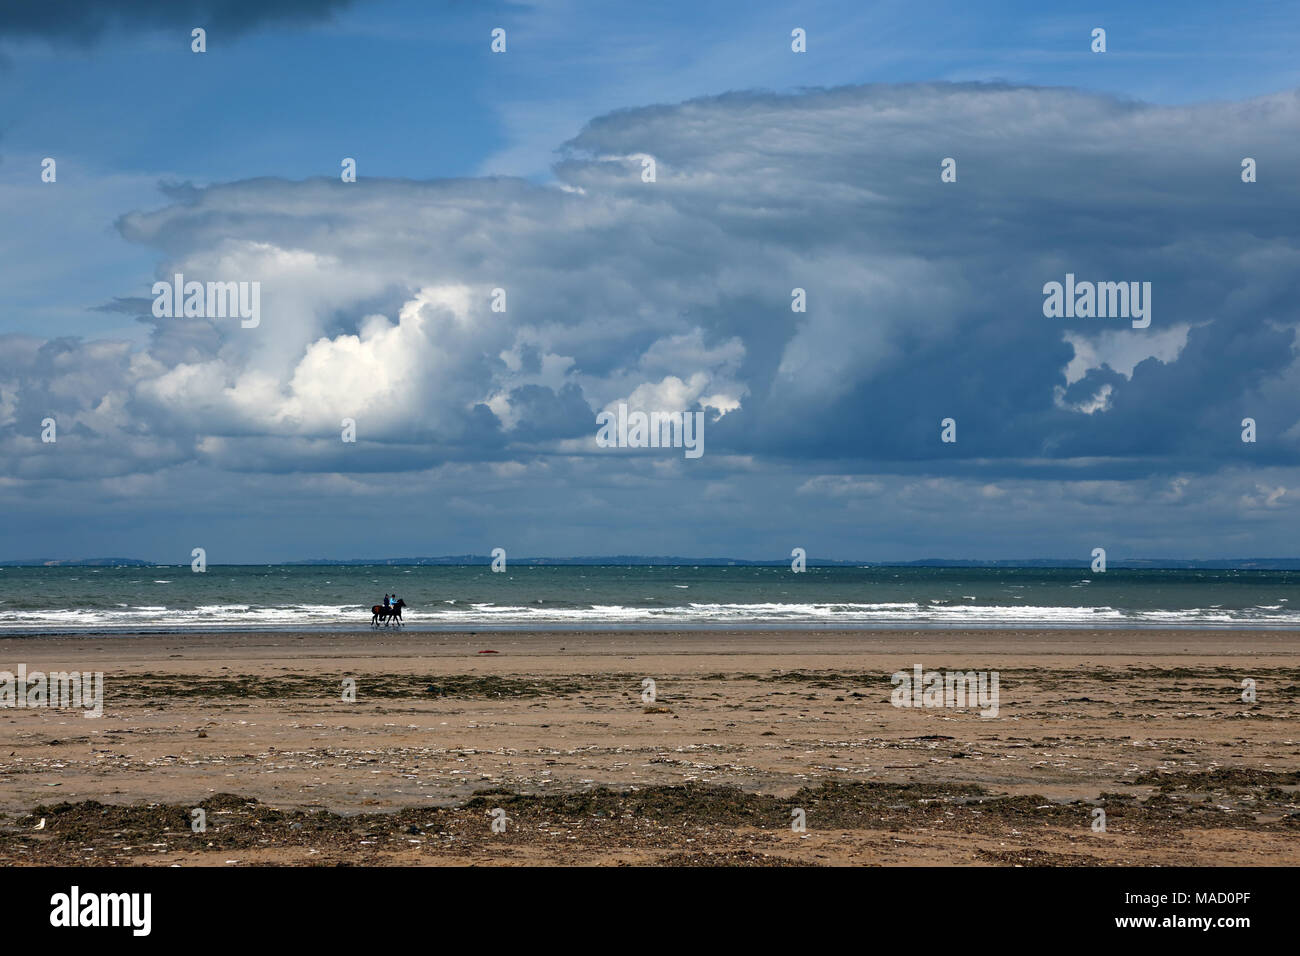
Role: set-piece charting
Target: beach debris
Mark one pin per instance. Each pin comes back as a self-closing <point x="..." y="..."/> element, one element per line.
<point x="489" y="652"/>
<point x="41" y="825"/>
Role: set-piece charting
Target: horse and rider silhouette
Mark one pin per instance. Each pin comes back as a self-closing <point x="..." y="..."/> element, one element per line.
<point x="386" y="613"/>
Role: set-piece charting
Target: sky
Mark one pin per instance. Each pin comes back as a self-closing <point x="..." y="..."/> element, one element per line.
<point x="501" y="272"/>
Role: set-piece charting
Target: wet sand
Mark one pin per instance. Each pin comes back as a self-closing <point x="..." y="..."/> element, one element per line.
<point x="748" y="732"/>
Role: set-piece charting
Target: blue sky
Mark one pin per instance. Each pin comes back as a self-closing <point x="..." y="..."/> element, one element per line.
<point x="778" y="169"/>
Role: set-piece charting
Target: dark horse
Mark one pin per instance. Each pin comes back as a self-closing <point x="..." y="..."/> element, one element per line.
<point x="380" y="613"/>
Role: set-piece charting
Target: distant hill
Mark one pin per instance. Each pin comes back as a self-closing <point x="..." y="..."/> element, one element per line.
<point x="625" y="560"/>
<point x="1212" y="564"/>
<point x="78" y="563"/>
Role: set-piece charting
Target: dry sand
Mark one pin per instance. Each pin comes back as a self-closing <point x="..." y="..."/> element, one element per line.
<point x="747" y="728"/>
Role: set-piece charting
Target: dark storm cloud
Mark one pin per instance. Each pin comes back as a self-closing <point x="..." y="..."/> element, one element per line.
<point x="925" y="298"/>
<point x="85" y="21"/>
<point x="924" y="301"/>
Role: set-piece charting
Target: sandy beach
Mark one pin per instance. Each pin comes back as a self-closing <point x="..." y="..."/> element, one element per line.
<point x="748" y="732"/>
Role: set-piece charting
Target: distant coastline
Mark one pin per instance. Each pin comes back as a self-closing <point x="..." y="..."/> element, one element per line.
<point x="639" y="560"/>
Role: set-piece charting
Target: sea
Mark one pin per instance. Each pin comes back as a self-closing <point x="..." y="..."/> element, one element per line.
<point x="170" y="598"/>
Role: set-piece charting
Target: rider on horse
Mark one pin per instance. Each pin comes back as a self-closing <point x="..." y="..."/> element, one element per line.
<point x="391" y="608"/>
